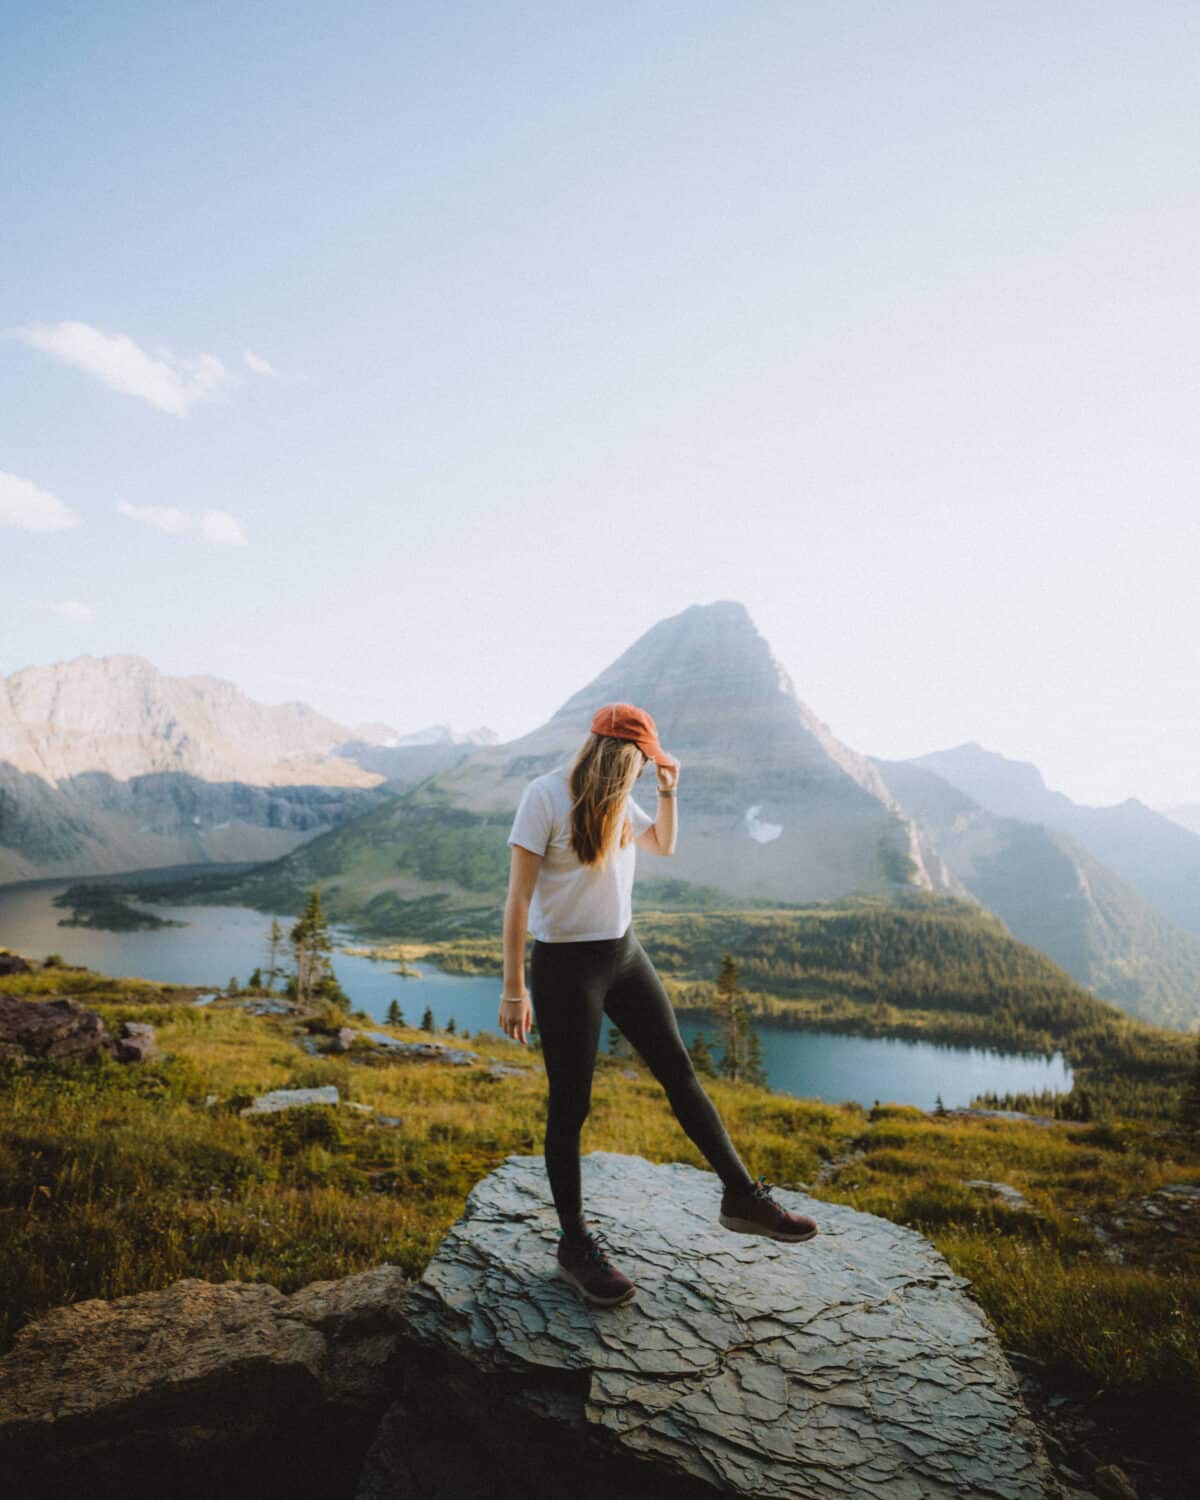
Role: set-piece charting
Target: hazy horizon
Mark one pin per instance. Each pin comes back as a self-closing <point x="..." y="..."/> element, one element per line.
<point x="412" y="363"/>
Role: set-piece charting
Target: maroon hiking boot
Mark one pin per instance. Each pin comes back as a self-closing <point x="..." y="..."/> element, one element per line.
<point x="756" y="1212"/>
<point x="585" y="1264"/>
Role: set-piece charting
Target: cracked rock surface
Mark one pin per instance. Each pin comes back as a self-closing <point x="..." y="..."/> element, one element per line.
<point x="852" y="1365"/>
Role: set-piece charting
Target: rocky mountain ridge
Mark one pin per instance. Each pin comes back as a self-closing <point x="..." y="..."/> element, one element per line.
<point x="108" y="764"/>
<point x="1151" y="852"/>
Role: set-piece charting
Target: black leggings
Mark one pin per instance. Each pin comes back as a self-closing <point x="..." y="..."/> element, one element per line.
<point x="572" y="985"/>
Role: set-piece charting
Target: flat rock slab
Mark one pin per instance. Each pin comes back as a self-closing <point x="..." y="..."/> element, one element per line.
<point x="854" y="1364"/>
<point x="279" y="1099"/>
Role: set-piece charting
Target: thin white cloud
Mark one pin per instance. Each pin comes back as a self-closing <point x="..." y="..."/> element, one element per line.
<point x="258" y="364"/>
<point x="72" y="609"/>
<point x="220" y="526"/>
<point x="163" y="517"/>
<point x="163" y="380"/>
<point x="214" y="525"/>
<point x="23" y="504"/>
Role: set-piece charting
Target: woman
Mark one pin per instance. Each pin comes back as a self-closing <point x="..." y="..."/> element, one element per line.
<point x="571" y="885"/>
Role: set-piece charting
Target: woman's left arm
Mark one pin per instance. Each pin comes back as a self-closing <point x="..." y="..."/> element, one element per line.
<point x="660" y="838"/>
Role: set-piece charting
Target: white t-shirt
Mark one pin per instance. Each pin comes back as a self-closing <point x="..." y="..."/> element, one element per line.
<point x="573" y="902"/>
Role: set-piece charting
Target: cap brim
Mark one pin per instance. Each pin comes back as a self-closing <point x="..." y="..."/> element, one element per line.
<point x="659" y="756"/>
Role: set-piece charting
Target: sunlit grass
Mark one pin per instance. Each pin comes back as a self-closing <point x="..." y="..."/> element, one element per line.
<point x="120" y="1178"/>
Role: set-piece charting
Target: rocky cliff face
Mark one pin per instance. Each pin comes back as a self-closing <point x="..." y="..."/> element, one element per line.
<point x="106" y="764"/>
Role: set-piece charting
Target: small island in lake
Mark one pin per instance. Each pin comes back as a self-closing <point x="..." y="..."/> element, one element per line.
<point x="109" y="908"/>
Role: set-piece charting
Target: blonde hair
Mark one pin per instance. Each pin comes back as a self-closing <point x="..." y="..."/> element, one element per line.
<point x="601" y="778"/>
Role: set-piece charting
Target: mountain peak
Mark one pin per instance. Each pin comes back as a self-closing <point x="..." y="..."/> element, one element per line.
<point x="716" y="645"/>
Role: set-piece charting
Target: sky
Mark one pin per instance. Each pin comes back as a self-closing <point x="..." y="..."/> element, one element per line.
<point x="413" y="360"/>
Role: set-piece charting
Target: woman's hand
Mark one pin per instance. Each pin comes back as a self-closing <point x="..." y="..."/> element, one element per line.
<point x="516" y="1017"/>
<point x="668" y="777"/>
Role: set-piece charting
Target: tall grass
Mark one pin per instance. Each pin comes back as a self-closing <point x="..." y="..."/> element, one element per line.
<point x="120" y="1178"/>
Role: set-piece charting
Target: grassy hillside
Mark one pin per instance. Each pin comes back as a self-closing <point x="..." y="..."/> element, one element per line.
<point x="117" y="1179"/>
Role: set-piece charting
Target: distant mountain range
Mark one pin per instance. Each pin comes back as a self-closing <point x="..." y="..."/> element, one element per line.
<point x="776" y="810"/>
<point x="107" y="764"/>
<point x="1155" y="854"/>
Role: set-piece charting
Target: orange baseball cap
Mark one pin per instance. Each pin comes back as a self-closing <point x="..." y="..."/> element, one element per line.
<point x="622" y="721"/>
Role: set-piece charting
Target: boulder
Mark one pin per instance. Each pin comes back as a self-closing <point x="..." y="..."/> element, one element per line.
<point x="13" y="963"/>
<point x="202" y="1389"/>
<point x="853" y="1365"/>
<point x="54" y="1029"/>
<point x="136" y="1042"/>
<point x="278" y="1099"/>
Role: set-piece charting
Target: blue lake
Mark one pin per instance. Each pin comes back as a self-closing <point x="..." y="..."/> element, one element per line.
<point x="224" y="942"/>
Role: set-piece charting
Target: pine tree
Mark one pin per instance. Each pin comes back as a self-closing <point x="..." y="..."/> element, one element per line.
<point x="731" y="1019"/>
<point x="312" y="945"/>
<point x="232" y="987"/>
<point x="450" y="1025"/>
<point x="1189" y="1104"/>
<point x="274" y="944"/>
<point x="255" y="980"/>
<point x="427" y="1019"/>
<point x="395" y="1016"/>
<point x="754" y="1072"/>
<point x="938" y="1107"/>
<point x="701" y="1055"/>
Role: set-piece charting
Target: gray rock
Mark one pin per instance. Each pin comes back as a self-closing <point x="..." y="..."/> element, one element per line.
<point x="277" y="1099"/>
<point x="58" y="1030"/>
<point x="136" y="1042"/>
<point x="1180" y="1190"/>
<point x="423" y="1051"/>
<point x="201" y="1389"/>
<point x="851" y="1366"/>
<point x="1011" y="1195"/>
<point x="268" y="1007"/>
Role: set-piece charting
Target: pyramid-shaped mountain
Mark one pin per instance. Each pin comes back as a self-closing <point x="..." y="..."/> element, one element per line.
<point x="772" y="806"/>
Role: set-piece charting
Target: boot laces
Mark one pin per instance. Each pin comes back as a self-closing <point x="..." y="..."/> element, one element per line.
<point x="594" y="1245"/>
<point x="597" y="1245"/>
<point x="762" y="1189"/>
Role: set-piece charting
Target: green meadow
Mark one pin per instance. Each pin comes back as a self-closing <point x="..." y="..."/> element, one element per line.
<point x="118" y="1178"/>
